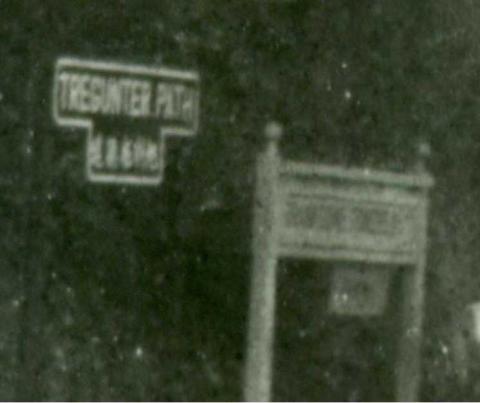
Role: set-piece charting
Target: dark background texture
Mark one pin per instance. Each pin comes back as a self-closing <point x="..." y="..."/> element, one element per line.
<point x="127" y="293"/>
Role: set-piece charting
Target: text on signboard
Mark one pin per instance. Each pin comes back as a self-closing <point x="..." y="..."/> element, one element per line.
<point x="132" y="97"/>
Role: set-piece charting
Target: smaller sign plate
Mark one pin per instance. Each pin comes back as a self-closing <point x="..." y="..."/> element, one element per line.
<point x="359" y="290"/>
<point x="123" y="154"/>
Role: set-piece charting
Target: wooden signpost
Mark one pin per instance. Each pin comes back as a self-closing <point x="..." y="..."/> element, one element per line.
<point x="344" y="215"/>
<point x="128" y="110"/>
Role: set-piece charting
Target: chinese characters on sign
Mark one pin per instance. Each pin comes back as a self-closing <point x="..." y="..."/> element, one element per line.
<point x="128" y="111"/>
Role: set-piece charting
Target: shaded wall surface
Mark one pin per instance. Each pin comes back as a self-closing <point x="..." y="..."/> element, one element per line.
<point x="120" y="293"/>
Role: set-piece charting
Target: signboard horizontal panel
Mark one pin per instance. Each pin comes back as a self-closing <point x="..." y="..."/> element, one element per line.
<point x="353" y="220"/>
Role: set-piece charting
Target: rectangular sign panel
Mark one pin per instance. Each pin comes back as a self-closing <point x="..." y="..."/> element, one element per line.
<point x="362" y="218"/>
<point x="359" y="290"/>
<point x="128" y="110"/>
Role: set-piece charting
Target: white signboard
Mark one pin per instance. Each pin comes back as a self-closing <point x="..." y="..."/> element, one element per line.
<point x="128" y="111"/>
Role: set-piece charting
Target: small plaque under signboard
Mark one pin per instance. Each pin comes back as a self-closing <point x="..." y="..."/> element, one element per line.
<point x="359" y="290"/>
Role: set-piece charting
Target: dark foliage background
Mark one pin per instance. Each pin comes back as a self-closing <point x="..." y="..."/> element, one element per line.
<point x="117" y="293"/>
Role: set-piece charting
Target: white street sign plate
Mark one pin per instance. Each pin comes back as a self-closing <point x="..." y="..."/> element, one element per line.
<point x="128" y="110"/>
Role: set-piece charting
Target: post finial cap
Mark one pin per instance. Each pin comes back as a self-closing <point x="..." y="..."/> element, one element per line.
<point x="424" y="152"/>
<point x="273" y="131"/>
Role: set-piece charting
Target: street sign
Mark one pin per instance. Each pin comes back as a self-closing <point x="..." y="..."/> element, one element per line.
<point x="128" y="111"/>
<point x="359" y="219"/>
<point x="350" y="214"/>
